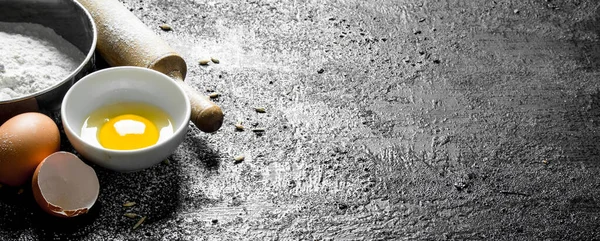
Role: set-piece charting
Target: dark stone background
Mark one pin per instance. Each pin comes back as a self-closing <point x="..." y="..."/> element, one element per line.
<point x="391" y="119"/>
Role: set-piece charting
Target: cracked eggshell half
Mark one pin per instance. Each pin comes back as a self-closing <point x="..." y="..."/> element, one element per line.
<point x="65" y="186"/>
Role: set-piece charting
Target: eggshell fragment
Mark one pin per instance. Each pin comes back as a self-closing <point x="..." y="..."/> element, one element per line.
<point x="65" y="186"/>
<point x="25" y="140"/>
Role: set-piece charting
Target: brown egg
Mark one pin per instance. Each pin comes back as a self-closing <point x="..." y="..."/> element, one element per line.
<point x="25" y="140"/>
<point x="65" y="186"/>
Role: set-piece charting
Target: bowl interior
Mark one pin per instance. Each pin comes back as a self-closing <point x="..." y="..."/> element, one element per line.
<point x="124" y="84"/>
<point x="69" y="20"/>
<point x="66" y="17"/>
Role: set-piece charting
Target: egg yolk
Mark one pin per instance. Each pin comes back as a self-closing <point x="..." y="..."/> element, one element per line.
<point x="128" y="132"/>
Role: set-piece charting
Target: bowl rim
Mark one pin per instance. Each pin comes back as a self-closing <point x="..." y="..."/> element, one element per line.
<point x="177" y="132"/>
<point x="87" y="59"/>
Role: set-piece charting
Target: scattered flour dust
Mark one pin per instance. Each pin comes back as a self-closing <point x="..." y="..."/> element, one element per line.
<point x="33" y="58"/>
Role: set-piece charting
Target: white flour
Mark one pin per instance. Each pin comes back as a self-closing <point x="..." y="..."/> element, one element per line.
<point x="33" y="58"/>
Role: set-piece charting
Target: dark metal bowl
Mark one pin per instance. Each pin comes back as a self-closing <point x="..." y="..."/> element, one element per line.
<point x="70" y="20"/>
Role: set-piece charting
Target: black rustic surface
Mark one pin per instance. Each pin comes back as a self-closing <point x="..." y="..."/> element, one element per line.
<point x="385" y="120"/>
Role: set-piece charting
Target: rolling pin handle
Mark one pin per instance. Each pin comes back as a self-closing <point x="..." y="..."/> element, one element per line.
<point x="206" y="115"/>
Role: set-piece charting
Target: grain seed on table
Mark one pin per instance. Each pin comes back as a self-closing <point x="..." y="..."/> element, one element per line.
<point x="238" y="159"/>
<point x="239" y="127"/>
<point x="139" y="222"/>
<point x="214" y="95"/>
<point x="165" y="27"/>
<point x="128" y="204"/>
<point x="214" y="60"/>
<point x="204" y="61"/>
<point x="130" y="215"/>
<point x="260" y="109"/>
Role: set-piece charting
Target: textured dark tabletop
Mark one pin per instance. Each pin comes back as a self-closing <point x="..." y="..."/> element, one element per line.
<point x="385" y="120"/>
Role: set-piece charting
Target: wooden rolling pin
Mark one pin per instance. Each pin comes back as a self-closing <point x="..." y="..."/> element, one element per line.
<point x="124" y="40"/>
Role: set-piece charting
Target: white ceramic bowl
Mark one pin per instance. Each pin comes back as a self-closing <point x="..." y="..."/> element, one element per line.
<point x="125" y="84"/>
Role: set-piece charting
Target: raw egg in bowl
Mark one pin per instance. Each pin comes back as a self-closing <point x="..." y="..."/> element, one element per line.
<point x="125" y="118"/>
